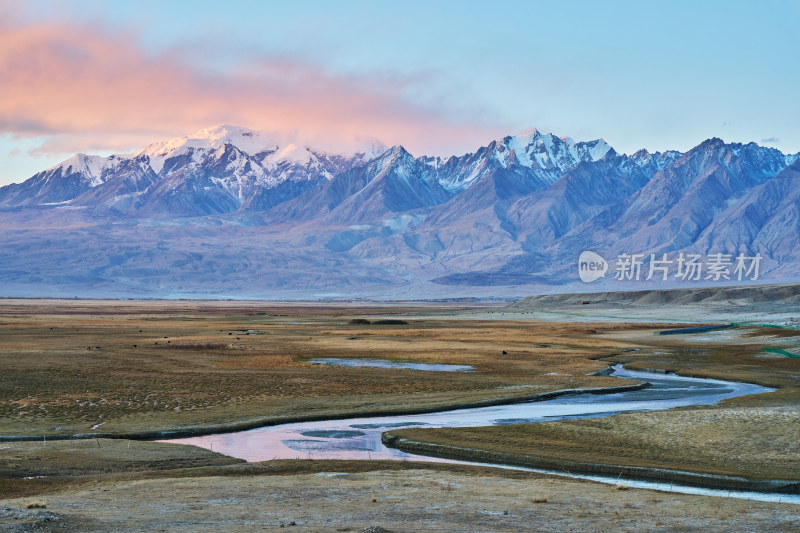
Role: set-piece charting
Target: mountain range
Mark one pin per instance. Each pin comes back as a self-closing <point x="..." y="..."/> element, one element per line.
<point x="232" y="212"/>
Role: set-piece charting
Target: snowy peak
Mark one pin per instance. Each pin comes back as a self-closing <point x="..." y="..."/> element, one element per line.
<point x="394" y="160"/>
<point x="294" y="154"/>
<point x="655" y="161"/>
<point x="756" y="161"/>
<point x="90" y="166"/>
<point x="274" y="152"/>
<point x="249" y="141"/>
<point x="537" y="157"/>
<point x="770" y="160"/>
<point x="536" y="150"/>
<point x="394" y="155"/>
<point x="223" y="169"/>
<point x="536" y="133"/>
<point x="206" y="140"/>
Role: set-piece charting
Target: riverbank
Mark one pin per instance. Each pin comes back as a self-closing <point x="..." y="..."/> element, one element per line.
<point x="748" y="443"/>
<point x="589" y="452"/>
<point x="232" y="427"/>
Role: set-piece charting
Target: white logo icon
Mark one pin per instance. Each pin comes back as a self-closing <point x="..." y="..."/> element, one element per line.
<point x="591" y="266"/>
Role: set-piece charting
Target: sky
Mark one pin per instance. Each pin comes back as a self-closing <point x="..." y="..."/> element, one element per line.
<point x="438" y="77"/>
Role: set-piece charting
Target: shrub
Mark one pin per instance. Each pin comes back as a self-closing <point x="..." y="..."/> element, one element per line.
<point x="201" y="346"/>
<point x="390" y="322"/>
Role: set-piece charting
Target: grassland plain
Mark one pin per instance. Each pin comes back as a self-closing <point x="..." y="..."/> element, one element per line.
<point x="128" y="368"/>
<point x="756" y="438"/>
<point x="138" y="368"/>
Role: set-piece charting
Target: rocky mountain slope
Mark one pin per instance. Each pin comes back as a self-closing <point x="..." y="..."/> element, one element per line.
<point x="232" y="212"/>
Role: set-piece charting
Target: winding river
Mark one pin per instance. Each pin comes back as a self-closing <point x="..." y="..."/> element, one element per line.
<point x="360" y="437"/>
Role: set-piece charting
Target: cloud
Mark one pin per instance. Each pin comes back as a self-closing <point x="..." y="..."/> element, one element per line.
<point x="81" y="88"/>
<point x="770" y="140"/>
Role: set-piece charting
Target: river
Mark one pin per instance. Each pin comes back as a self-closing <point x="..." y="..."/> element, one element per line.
<point x="360" y="437"/>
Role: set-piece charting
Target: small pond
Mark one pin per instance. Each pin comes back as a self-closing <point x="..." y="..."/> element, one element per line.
<point x="386" y="363"/>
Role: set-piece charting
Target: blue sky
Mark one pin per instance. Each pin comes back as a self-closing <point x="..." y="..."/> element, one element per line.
<point x="437" y="77"/>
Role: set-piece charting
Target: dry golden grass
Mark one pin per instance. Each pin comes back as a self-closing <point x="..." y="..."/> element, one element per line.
<point x="737" y="357"/>
<point x="757" y="437"/>
<point x="71" y="367"/>
<point x="755" y="443"/>
<point x="29" y="468"/>
<point x="125" y="367"/>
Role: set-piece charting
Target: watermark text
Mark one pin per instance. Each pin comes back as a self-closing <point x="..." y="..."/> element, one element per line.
<point x="676" y="266"/>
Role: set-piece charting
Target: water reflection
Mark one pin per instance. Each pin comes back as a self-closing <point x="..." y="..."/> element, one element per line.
<point x="360" y="438"/>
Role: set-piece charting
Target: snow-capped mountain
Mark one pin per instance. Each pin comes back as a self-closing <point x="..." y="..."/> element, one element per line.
<point x="241" y="168"/>
<point x="691" y="205"/>
<point x="394" y="182"/>
<point x="543" y="157"/>
<point x="214" y="170"/>
<point x="63" y="182"/>
<point x="672" y="209"/>
<point x="228" y="211"/>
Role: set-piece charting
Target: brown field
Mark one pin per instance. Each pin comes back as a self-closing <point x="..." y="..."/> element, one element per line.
<point x="754" y="437"/>
<point x="734" y="358"/>
<point x="753" y="443"/>
<point x="138" y="367"/>
<point x="85" y="367"/>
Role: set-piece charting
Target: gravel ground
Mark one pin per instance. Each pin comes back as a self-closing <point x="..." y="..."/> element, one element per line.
<point x="410" y="500"/>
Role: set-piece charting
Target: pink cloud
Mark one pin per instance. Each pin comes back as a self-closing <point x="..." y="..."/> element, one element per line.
<point x="82" y="89"/>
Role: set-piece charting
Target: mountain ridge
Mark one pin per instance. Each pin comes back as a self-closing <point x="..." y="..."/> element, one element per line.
<point x="200" y="215"/>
